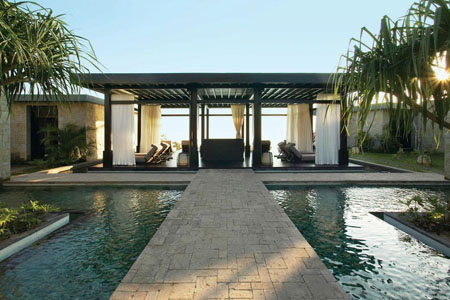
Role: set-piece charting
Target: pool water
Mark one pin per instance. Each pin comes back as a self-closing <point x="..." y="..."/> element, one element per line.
<point x="87" y="258"/>
<point x="370" y="258"/>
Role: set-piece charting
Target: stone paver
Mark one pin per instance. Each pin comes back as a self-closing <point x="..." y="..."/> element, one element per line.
<point x="227" y="238"/>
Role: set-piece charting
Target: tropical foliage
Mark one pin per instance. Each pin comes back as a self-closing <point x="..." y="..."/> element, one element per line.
<point x="430" y="213"/>
<point x="28" y="216"/>
<point x="404" y="64"/>
<point x="66" y="146"/>
<point x="38" y="53"/>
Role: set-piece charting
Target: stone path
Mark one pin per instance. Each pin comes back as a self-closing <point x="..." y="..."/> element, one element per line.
<point x="227" y="238"/>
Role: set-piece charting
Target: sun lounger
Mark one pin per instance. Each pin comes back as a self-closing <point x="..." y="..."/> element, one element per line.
<point x="289" y="153"/>
<point x="145" y="157"/>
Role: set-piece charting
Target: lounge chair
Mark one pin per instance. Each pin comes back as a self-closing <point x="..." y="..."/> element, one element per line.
<point x="289" y="153"/>
<point x="145" y="157"/>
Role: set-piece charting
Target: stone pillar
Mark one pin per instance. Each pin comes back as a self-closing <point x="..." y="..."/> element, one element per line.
<point x="5" y="140"/>
<point x="446" y="140"/>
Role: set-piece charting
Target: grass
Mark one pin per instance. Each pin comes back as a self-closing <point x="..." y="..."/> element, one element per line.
<point x="406" y="161"/>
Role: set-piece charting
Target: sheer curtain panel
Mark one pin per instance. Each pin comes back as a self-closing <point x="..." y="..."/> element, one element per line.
<point x="150" y="124"/>
<point x="299" y="127"/>
<point x="328" y="118"/>
<point x="123" y="131"/>
<point x="237" y="111"/>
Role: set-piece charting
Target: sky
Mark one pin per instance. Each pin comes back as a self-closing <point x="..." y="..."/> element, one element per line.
<point x="164" y="36"/>
<point x="222" y="35"/>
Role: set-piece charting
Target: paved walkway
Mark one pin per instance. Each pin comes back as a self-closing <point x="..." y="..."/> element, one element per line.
<point x="227" y="238"/>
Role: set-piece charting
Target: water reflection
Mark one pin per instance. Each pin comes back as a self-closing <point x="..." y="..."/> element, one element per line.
<point x="370" y="258"/>
<point x="94" y="252"/>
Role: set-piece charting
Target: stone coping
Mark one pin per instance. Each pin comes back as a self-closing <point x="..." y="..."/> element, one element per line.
<point x="440" y="242"/>
<point x="17" y="242"/>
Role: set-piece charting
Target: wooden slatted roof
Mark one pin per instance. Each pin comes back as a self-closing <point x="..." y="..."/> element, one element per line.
<point x="214" y="89"/>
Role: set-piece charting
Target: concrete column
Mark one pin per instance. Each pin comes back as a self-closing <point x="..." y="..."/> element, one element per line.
<point x="5" y="140"/>
<point x="446" y="141"/>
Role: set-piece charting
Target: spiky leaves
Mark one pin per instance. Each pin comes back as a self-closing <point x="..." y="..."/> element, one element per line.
<point x="39" y="54"/>
<point x="396" y="66"/>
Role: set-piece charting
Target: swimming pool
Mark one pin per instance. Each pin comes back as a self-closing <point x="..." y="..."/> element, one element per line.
<point x="370" y="258"/>
<point x="87" y="258"/>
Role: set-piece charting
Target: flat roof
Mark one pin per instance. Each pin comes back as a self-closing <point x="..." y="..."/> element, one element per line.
<point x="214" y="89"/>
<point x="69" y="98"/>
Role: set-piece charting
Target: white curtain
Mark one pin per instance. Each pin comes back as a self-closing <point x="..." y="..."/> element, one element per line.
<point x="328" y="118"/>
<point x="150" y="123"/>
<point x="299" y="127"/>
<point x="123" y="131"/>
<point x="237" y="111"/>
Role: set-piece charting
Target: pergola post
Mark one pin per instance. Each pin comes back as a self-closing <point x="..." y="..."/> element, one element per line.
<point x="203" y="121"/>
<point x="193" y="148"/>
<point x="107" y="153"/>
<point x="207" y="122"/>
<point x="343" y="151"/>
<point x="138" y="146"/>
<point x="247" y="130"/>
<point x="257" y="149"/>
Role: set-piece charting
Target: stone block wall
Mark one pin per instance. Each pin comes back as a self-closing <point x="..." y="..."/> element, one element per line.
<point x="5" y="144"/>
<point x="19" y="127"/>
<point x="81" y="114"/>
<point x="381" y="123"/>
<point x="85" y="114"/>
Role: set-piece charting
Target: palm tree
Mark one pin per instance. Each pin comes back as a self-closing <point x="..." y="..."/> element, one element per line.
<point x="399" y="66"/>
<point x="38" y="53"/>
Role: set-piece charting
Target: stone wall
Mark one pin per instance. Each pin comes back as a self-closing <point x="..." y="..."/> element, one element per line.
<point x="81" y="114"/>
<point x="5" y="145"/>
<point x="85" y="114"/>
<point x="381" y="123"/>
<point x="19" y="127"/>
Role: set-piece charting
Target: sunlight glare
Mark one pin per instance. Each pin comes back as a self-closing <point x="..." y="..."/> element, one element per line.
<point x="439" y="69"/>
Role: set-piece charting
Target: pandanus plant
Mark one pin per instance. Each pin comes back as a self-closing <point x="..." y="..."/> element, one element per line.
<point x="404" y="65"/>
<point x="39" y="54"/>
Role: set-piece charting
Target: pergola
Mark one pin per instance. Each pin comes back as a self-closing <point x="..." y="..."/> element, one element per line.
<point x="203" y="90"/>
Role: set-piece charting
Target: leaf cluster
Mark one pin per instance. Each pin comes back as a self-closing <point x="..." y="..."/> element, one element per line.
<point x="39" y="54"/>
<point x="395" y="66"/>
<point x="67" y="145"/>
<point x="29" y="215"/>
<point x="428" y="213"/>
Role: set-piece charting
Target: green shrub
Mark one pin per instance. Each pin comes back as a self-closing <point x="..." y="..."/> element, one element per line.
<point x="428" y="213"/>
<point x="390" y="144"/>
<point x="13" y="221"/>
<point x="66" y="146"/>
<point x="365" y="142"/>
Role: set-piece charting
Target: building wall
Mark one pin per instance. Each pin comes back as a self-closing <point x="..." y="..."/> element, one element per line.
<point x="81" y="114"/>
<point x="89" y="115"/>
<point x="381" y="123"/>
<point x="19" y="129"/>
<point x="5" y="159"/>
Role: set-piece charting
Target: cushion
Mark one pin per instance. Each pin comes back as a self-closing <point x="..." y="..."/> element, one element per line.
<point x="151" y="152"/>
<point x="295" y="151"/>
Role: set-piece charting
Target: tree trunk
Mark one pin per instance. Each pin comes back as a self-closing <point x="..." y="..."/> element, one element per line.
<point x="5" y="140"/>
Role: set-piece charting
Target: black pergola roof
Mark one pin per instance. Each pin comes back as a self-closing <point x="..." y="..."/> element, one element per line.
<point x="214" y="89"/>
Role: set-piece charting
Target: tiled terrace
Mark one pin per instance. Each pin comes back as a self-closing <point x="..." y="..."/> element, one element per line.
<point x="227" y="238"/>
